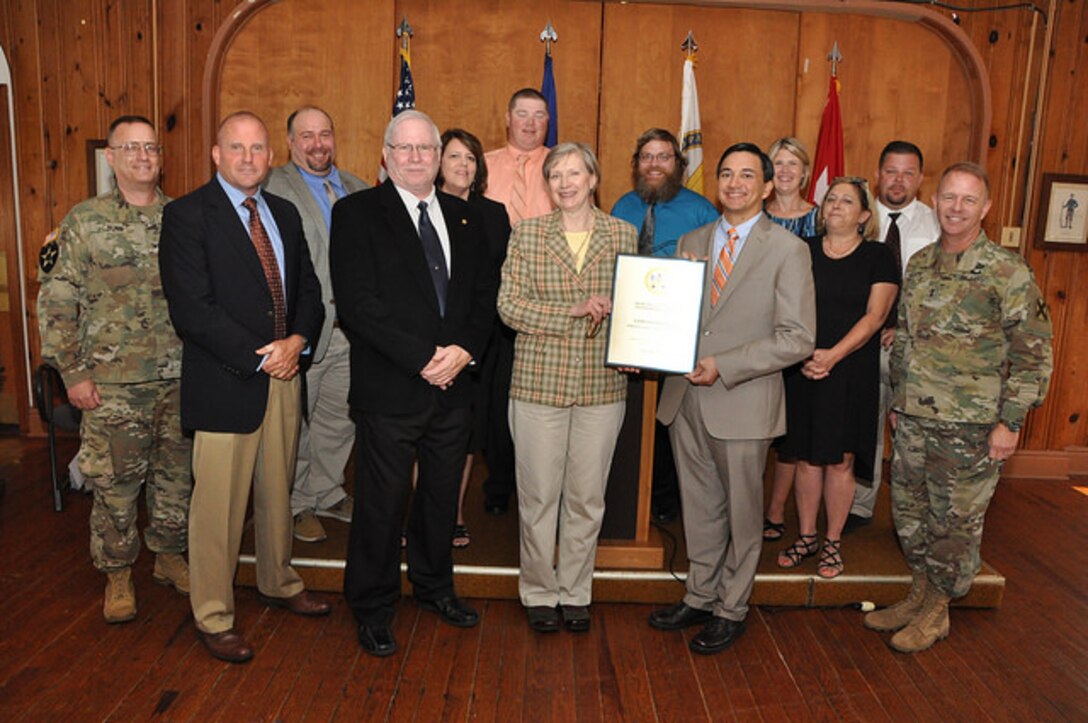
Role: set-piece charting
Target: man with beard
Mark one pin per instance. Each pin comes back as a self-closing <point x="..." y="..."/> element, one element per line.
<point x="662" y="210"/>
<point x="660" y="207"/>
<point x="313" y="183"/>
<point x="906" y="225"/>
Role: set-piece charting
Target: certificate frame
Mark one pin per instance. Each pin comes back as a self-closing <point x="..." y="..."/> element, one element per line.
<point x="657" y="311"/>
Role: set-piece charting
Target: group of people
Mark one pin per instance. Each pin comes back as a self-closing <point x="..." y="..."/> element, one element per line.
<point x="250" y="334"/>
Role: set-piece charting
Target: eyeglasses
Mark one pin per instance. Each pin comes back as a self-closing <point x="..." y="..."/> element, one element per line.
<point x="133" y="147"/>
<point x="854" y="180"/>
<point x="405" y="149"/>
<point x="659" y="157"/>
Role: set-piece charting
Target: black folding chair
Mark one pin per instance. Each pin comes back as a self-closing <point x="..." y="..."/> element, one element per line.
<point x="51" y="398"/>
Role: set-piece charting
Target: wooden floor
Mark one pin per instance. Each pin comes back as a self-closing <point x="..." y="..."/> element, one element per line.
<point x="1027" y="660"/>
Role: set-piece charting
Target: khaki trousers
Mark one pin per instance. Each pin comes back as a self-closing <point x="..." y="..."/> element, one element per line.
<point x="225" y="466"/>
<point x="563" y="457"/>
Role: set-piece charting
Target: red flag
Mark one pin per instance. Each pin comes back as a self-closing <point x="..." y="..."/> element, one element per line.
<point x="828" y="163"/>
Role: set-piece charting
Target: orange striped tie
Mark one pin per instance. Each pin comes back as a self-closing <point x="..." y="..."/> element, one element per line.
<point x="724" y="265"/>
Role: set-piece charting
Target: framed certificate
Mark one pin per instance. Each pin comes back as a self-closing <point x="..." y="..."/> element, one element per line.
<point x="657" y="306"/>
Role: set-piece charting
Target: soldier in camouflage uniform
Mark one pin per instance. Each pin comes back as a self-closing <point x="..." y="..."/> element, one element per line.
<point x="104" y="324"/>
<point x="971" y="356"/>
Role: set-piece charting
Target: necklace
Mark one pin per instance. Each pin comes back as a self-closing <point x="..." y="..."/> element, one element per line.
<point x="831" y="254"/>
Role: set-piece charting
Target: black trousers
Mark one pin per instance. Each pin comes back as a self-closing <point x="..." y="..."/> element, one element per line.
<point x="501" y="481"/>
<point x="386" y="446"/>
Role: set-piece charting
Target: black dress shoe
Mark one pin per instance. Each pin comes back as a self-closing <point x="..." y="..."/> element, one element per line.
<point x="543" y="619"/>
<point x="575" y="617"/>
<point x="452" y="610"/>
<point x="716" y="636"/>
<point x="377" y="640"/>
<point x="679" y="616"/>
<point x="855" y="523"/>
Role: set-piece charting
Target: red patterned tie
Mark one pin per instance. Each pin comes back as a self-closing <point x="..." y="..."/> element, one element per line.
<point x="261" y="242"/>
<point x="724" y="265"/>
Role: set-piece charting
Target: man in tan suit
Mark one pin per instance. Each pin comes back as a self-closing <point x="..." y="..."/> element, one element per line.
<point x="313" y="182"/>
<point x="759" y="317"/>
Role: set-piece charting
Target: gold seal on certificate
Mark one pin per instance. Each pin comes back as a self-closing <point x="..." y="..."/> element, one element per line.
<point x="656" y="308"/>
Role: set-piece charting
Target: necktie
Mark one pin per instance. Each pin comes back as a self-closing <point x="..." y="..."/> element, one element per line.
<point x="723" y="267"/>
<point x="436" y="260"/>
<point x="895" y="245"/>
<point x="892" y="240"/>
<point x="263" y="245"/>
<point x="646" y="234"/>
<point x="330" y="192"/>
<point x="519" y="206"/>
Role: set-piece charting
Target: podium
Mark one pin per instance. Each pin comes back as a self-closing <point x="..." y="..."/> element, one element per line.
<point x="627" y="540"/>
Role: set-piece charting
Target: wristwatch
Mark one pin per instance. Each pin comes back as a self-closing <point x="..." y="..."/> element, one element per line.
<point x="1012" y="426"/>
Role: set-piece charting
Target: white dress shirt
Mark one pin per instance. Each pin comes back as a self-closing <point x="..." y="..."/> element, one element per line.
<point x="917" y="224"/>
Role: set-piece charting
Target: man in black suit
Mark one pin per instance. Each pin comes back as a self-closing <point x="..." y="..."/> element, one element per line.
<point x="416" y="296"/>
<point x="246" y="303"/>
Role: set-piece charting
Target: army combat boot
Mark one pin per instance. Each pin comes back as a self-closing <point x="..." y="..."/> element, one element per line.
<point x="928" y="626"/>
<point x="171" y="569"/>
<point x="120" y="602"/>
<point x="897" y="616"/>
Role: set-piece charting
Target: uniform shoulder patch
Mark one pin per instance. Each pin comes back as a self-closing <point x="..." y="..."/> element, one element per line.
<point x="50" y="251"/>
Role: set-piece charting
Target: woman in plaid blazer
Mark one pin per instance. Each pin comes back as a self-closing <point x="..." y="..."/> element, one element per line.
<point x="566" y="407"/>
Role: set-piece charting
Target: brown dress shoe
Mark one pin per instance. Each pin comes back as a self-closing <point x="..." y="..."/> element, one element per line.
<point x="302" y="604"/>
<point x="227" y="645"/>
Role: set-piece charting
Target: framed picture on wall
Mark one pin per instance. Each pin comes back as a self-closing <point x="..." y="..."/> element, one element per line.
<point x="99" y="173"/>
<point x="1064" y="201"/>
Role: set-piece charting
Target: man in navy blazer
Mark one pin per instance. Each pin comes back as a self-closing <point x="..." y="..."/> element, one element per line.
<point x="246" y="303"/>
<point x="415" y="294"/>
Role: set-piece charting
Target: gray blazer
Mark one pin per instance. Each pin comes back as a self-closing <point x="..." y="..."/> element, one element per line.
<point x="287" y="181"/>
<point x="764" y="322"/>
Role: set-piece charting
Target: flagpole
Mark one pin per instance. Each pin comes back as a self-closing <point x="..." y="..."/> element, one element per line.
<point x="547" y="85"/>
<point x="828" y="162"/>
<point x="405" y="97"/>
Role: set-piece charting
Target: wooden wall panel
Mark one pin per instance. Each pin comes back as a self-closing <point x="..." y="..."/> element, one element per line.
<point x="642" y="78"/>
<point x="342" y="63"/>
<point x="916" y="92"/>
<point x="469" y="57"/>
<point x="1063" y="420"/>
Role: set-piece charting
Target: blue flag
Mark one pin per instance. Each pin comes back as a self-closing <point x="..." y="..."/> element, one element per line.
<point x="547" y="89"/>
<point x="406" y="92"/>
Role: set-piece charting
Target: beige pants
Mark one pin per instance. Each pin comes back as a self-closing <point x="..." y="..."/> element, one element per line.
<point x="563" y="457"/>
<point x="225" y="466"/>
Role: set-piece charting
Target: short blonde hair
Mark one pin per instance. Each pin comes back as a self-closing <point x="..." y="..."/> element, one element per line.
<point x="563" y="150"/>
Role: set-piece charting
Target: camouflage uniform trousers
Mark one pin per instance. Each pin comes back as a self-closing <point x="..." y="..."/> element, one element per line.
<point x="942" y="483"/>
<point x="134" y="436"/>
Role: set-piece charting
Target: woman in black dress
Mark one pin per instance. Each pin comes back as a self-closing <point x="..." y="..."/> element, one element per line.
<point x="832" y="402"/>
<point x="463" y="173"/>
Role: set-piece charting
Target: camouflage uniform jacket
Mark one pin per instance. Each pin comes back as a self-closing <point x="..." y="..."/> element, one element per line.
<point x="973" y="340"/>
<point x="101" y="309"/>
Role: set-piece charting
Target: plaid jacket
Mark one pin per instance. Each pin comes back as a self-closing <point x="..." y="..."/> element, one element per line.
<point x="554" y="363"/>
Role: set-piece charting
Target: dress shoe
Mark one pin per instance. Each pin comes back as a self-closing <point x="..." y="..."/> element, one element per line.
<point x="119" y="605"/>
<point x="304" y="603"/>
<point x="340" y="511"/>
<point x="543" y="619"/>
<point x="227" y="645"/>
<point x="854" y="523"/>
<point x="716" y="636"/>
<point x="452" y="610"/>
<point x="308" y="528"/>
<point x="679" y="616"/>
<point x="575" y="617"/>
<point x="377" y="640"/>
<point x="171" y="569"/>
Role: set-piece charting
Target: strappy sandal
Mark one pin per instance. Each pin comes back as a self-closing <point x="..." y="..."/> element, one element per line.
<point x="830" y="563"/>
<point x="773" y="530"/>
<point x="803" y="547"/>
<point x="461" y="538"/>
